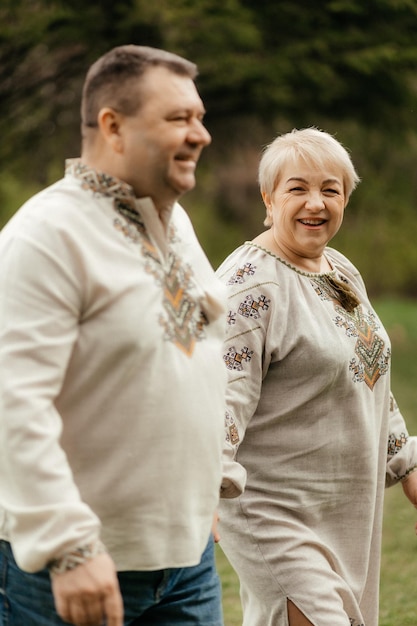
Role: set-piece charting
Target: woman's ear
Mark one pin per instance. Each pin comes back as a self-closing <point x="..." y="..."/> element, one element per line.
<point x="266" y="198"/>
<point x="109" y="123"/>
<point x="268" y="205"/>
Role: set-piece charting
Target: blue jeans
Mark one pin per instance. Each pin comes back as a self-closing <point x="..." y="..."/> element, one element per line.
<point x="189" y="596"/>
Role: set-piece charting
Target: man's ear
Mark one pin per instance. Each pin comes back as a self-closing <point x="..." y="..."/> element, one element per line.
<point x="109" y="123"/>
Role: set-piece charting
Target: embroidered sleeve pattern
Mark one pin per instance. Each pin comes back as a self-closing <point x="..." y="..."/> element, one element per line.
<point x="232" y="433"/>
<point x="240" y="275"/>
<point x="76" y="557"/>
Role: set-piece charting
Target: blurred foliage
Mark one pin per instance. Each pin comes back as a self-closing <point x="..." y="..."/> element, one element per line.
<point x="346" y="66"/>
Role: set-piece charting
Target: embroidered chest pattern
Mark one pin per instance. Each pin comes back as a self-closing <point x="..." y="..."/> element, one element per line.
<point x="183" y="321"/>
<point x="372" y="360"/>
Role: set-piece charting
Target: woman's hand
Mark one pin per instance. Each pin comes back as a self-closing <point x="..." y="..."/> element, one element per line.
<point x="214" y="530"/>
<point x="410" y="489"/>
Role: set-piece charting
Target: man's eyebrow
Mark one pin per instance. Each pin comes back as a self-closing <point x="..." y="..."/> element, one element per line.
<point x="188" y="110"/>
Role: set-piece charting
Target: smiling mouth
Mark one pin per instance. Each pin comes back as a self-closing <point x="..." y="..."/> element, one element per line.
<point x="186" y="158"/>
<point x="310" y="222"/>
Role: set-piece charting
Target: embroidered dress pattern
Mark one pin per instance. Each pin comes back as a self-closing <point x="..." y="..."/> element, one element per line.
<point x="231" y="318"/>
<point x="234" y="360"/>
<point x="371" y="362"/>
<point x="183" y="321"/>
<point x="240" y="275"/>
<point x="232" y="434"/>
<point x="395" y="443"/>
<point x="252" y="308"/>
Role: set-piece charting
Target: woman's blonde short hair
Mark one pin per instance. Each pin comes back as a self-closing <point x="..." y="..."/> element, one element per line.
<point x="315" y="147"/>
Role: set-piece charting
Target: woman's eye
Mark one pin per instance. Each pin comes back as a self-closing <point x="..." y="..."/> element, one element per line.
<point x="332" y="192"/>
<point x="296" y="189"/>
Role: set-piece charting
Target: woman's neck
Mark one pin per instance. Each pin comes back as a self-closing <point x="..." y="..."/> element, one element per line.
<point x="316" y="265"/>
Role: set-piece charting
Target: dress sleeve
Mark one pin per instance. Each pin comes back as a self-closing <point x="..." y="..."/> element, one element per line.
<point x="39" y="315"/>
<point x="246" y="361"/>
<point x="402" y="449"/>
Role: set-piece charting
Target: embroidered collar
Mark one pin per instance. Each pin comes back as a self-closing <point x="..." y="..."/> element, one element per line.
<point x="100" y="182"/>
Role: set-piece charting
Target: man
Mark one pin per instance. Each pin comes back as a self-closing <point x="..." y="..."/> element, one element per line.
<point x="111" y="382"/>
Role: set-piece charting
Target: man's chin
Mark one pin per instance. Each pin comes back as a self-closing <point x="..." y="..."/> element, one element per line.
<point x="182" y="186"/>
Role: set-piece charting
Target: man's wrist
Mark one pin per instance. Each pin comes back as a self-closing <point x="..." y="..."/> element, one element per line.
<point x="76" y="557"/>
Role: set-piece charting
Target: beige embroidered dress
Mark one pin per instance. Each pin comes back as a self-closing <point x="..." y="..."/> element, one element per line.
<point x="313" y="429"/>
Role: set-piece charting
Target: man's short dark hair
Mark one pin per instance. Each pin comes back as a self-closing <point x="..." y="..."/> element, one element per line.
<point x="109" y="81"/>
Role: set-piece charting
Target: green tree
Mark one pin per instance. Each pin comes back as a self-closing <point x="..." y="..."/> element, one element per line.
<point x="347" y="66"/>
<point x="336" y="59"/>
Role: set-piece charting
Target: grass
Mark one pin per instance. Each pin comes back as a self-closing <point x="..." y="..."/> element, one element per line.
<point x="398" y="602"/>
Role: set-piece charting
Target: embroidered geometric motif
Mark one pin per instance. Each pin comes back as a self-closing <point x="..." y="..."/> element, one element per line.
<point x="234" y="360"/>
<point x="241" y="274"/>
<point x="183" y="320"/>
<point x="184" y="325"/>
<point x="232" y="434"/>
<point x="395" y="443"/>
<point x="251" y="307"/>
<point x="371" y="362"/>
<point x="133" y="217"/>
<point x="231" y="318"/>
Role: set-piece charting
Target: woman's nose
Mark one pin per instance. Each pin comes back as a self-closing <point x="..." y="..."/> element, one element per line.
<point x="315" y="201"/>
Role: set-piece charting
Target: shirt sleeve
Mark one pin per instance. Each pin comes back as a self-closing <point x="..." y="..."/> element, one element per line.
<point x="402" y="449"/>
<point x="39" y="322"/>
<point x="247" y="362"/>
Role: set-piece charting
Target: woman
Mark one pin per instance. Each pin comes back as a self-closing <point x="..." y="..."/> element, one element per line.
<point x="309" y="415"/>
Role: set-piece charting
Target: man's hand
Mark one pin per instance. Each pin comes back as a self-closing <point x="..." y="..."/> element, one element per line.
<point x="89" y="595"/>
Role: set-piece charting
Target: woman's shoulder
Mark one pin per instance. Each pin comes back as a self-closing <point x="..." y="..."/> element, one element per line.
<point x="248" y="261"/>
<point x="341" y="262"/>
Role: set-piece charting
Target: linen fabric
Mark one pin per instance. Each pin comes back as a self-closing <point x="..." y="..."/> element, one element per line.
<point x="314" y="433"/>
<point x="111" y="385"/>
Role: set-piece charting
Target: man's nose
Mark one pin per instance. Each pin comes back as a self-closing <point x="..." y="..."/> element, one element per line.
<point x="199" y="134"/>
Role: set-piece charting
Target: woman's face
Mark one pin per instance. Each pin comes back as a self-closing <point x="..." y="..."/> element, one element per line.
<point x="306" y="209"/>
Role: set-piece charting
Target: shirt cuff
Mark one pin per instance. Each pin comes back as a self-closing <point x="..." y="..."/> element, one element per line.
<point x="76" y="557"/>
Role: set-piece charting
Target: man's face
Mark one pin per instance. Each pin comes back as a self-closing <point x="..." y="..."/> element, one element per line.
<point x="163" y="141"/>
